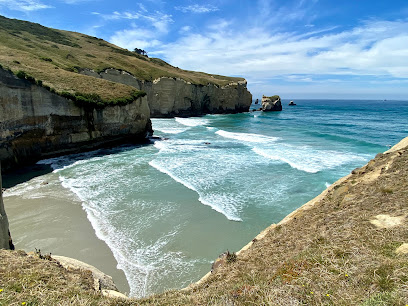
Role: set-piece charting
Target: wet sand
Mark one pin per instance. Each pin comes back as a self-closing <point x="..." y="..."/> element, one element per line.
<point x="44" y="215"/>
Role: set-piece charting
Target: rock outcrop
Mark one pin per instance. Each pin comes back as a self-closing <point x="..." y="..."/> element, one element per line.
<point x="270" y="104"/>
<point x="35" y="123"/>
<point x="169" y="97"/>
<point x="5" y="238"/>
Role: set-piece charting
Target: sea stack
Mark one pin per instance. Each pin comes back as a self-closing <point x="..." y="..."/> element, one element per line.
<point x="5" y="239"/>
<point x="270" y="104"/>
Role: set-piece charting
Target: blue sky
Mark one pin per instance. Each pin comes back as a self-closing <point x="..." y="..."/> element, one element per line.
<point x="294" y="48"/>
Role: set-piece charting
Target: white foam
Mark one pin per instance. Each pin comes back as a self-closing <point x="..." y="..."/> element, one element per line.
<point x="193" y="121"/>
<point x="308" y="159"/>
<point x="171" y="130"/>
<point x="229" y="210"/>
<point x="247" y="137"/>
<point x="327" y="184"/>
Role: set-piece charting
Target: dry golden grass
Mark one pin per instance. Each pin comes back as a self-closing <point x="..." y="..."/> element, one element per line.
<point x="29" y="280"/>
<point x="55" y="57"/>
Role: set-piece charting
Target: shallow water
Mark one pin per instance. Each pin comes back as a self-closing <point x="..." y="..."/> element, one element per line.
<point x="168" y="209"/>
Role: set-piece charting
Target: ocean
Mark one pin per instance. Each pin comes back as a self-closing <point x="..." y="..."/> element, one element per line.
<point x="212" y="183"/>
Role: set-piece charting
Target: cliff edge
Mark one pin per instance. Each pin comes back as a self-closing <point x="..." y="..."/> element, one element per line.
<point x="5" y="237"/>
<point x="36" y="123"/>
<point x="73" y="62"/>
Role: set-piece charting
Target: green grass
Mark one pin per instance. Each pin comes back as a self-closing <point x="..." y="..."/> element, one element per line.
<point x="57" y="57"/>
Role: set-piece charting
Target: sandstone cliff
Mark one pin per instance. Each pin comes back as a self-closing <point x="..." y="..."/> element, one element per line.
<point x="169" y="97"/>
<point x="5" y="239"/>
<point x="270" y="104"/>
<point x="35" y="123"/>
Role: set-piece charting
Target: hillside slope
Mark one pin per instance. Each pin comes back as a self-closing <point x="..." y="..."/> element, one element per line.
<point x="57" y="57"/>
<point x="348" y="246"/>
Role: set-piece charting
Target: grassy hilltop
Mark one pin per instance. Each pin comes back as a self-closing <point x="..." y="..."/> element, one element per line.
<point x="55" y="57"/>
<point x="348" y="246"/>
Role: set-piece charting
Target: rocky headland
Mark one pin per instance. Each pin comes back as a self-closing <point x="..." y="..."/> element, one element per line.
<point x="63" y="92"/>
<point x="173" y="96"/>
<point x="36" y="123"/>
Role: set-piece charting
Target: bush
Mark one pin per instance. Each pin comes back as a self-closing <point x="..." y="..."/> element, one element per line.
<point x="46" y="59"/>
<point x="95" y="101"/>
<point x="21" y="74"/>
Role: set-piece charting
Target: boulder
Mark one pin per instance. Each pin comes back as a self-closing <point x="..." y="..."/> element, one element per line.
<point x="270" y="104"/>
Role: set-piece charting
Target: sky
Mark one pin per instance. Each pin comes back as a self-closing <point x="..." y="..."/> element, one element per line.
<point x="349" y="49"/>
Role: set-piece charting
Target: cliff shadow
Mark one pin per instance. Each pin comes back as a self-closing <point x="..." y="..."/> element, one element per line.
<point x="25" y="173"/>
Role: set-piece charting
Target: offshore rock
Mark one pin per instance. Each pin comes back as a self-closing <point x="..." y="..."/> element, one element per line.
<point x="36" y="124"/>
<point x="270" y="104"/>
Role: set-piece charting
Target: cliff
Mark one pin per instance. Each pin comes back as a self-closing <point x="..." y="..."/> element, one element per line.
<point x="36" y="123"/>
<point x="5" y="239"/>
<point x="169" y="97"/>
<point x="74" y="62"/>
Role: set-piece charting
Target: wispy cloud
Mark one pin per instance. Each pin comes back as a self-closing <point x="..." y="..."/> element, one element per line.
<point x="135" y="38"/>
<point x="375" y="48"/>
<point x="197" y="9"/>
<point x="160" y="21"/>
<point x="23" y="5"/>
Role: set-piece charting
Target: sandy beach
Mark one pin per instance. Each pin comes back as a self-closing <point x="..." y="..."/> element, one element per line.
<point x="44" y="215"/>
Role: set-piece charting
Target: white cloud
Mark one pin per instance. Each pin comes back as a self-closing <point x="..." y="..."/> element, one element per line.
<point x="160" y="21"/>
<point x="198" y="9"/>
<point x="135" y="38"/>
<point x="185" y="29"/>
<point x="375" y="48"/>
<point x="24" y="5"/>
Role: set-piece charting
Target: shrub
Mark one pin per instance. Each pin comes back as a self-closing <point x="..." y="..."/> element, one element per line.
<point x="21" y="74"/>
<point x="95" y="101"/>
<point x="46" y="59"/>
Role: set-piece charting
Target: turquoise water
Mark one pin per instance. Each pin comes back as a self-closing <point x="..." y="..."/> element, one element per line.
<point x="168" y="209"/>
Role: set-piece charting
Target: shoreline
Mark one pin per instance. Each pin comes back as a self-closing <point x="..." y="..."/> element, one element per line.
<point x="44" y="215"/>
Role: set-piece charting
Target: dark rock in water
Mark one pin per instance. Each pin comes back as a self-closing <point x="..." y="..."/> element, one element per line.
<point x="270" y="104"/>
<point x="291" y="103"/>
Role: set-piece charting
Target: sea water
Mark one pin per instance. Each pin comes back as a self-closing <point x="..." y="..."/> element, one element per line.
<point x="212" y="183"/>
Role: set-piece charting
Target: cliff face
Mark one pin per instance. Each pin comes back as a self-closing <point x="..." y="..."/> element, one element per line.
<point x="169" y="97"/>
<point x="35" y="123"/>
<point x="5" y="239"/>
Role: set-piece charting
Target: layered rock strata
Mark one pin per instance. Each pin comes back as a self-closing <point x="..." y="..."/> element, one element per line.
<point x="35" y="123"/>
<point x="5" y="238"/>
<point x="170" y="97"/>
<point x="270" y="104"/>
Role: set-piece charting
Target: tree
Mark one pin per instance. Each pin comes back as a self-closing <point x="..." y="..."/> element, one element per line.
<point x="140" y="51"/>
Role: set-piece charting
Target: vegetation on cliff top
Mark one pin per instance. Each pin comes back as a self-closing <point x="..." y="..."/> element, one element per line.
<point x="273" y="98"/>
<point x="56" y="57"/>
<point x="349" y="248"/>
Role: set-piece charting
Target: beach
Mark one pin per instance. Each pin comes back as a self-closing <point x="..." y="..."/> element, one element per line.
<point x="45" y="216"/>
<point x="165" y="211"/>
